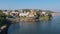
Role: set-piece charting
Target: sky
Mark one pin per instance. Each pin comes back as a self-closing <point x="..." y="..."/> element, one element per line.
<point x="53" y="5"/>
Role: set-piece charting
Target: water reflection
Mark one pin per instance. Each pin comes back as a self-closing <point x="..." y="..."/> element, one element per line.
<point x="42" y="27"/>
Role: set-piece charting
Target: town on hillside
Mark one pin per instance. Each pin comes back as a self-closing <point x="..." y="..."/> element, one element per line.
<point x="28" y="14"/>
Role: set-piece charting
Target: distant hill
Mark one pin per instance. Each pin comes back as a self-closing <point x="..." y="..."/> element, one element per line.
<point x="36" y="10"/>
<point x="48" y="11"/>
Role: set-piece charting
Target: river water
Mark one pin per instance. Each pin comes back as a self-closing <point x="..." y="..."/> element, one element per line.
<point x="42" y="27"/>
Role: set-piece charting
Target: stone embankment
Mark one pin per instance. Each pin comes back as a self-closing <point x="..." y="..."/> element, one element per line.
<point x="14" y="20"/>
<point x="27" y="19"/>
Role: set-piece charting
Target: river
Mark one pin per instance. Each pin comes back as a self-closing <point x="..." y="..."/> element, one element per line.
<point x="42" y="27"/>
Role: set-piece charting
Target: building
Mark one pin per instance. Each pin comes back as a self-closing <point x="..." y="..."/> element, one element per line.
<point x="14" y="13"/>
<point x="23" y="13"/>
<point x="32" y="13"/>
<point x="6" y="12"/>
<point x="43" y="12"/>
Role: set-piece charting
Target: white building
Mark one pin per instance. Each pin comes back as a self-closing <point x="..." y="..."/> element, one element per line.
<point x="14" y="13"/>
<point x="43" y="12"/>
<point x="6" y="12"/>
<point x="24" y="14"/>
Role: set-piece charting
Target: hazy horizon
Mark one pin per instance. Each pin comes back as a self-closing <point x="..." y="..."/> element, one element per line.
<point x="52" y="5"/>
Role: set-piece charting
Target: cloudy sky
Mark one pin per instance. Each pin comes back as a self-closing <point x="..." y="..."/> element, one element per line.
<point x="53" y="5"/>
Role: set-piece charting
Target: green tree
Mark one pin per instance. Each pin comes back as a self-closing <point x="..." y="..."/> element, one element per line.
<point x="2" y="18"/>
<point x="37" y="15"/>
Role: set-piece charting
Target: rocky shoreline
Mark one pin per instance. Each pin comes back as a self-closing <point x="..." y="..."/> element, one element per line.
<point x="4" y="28"/>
